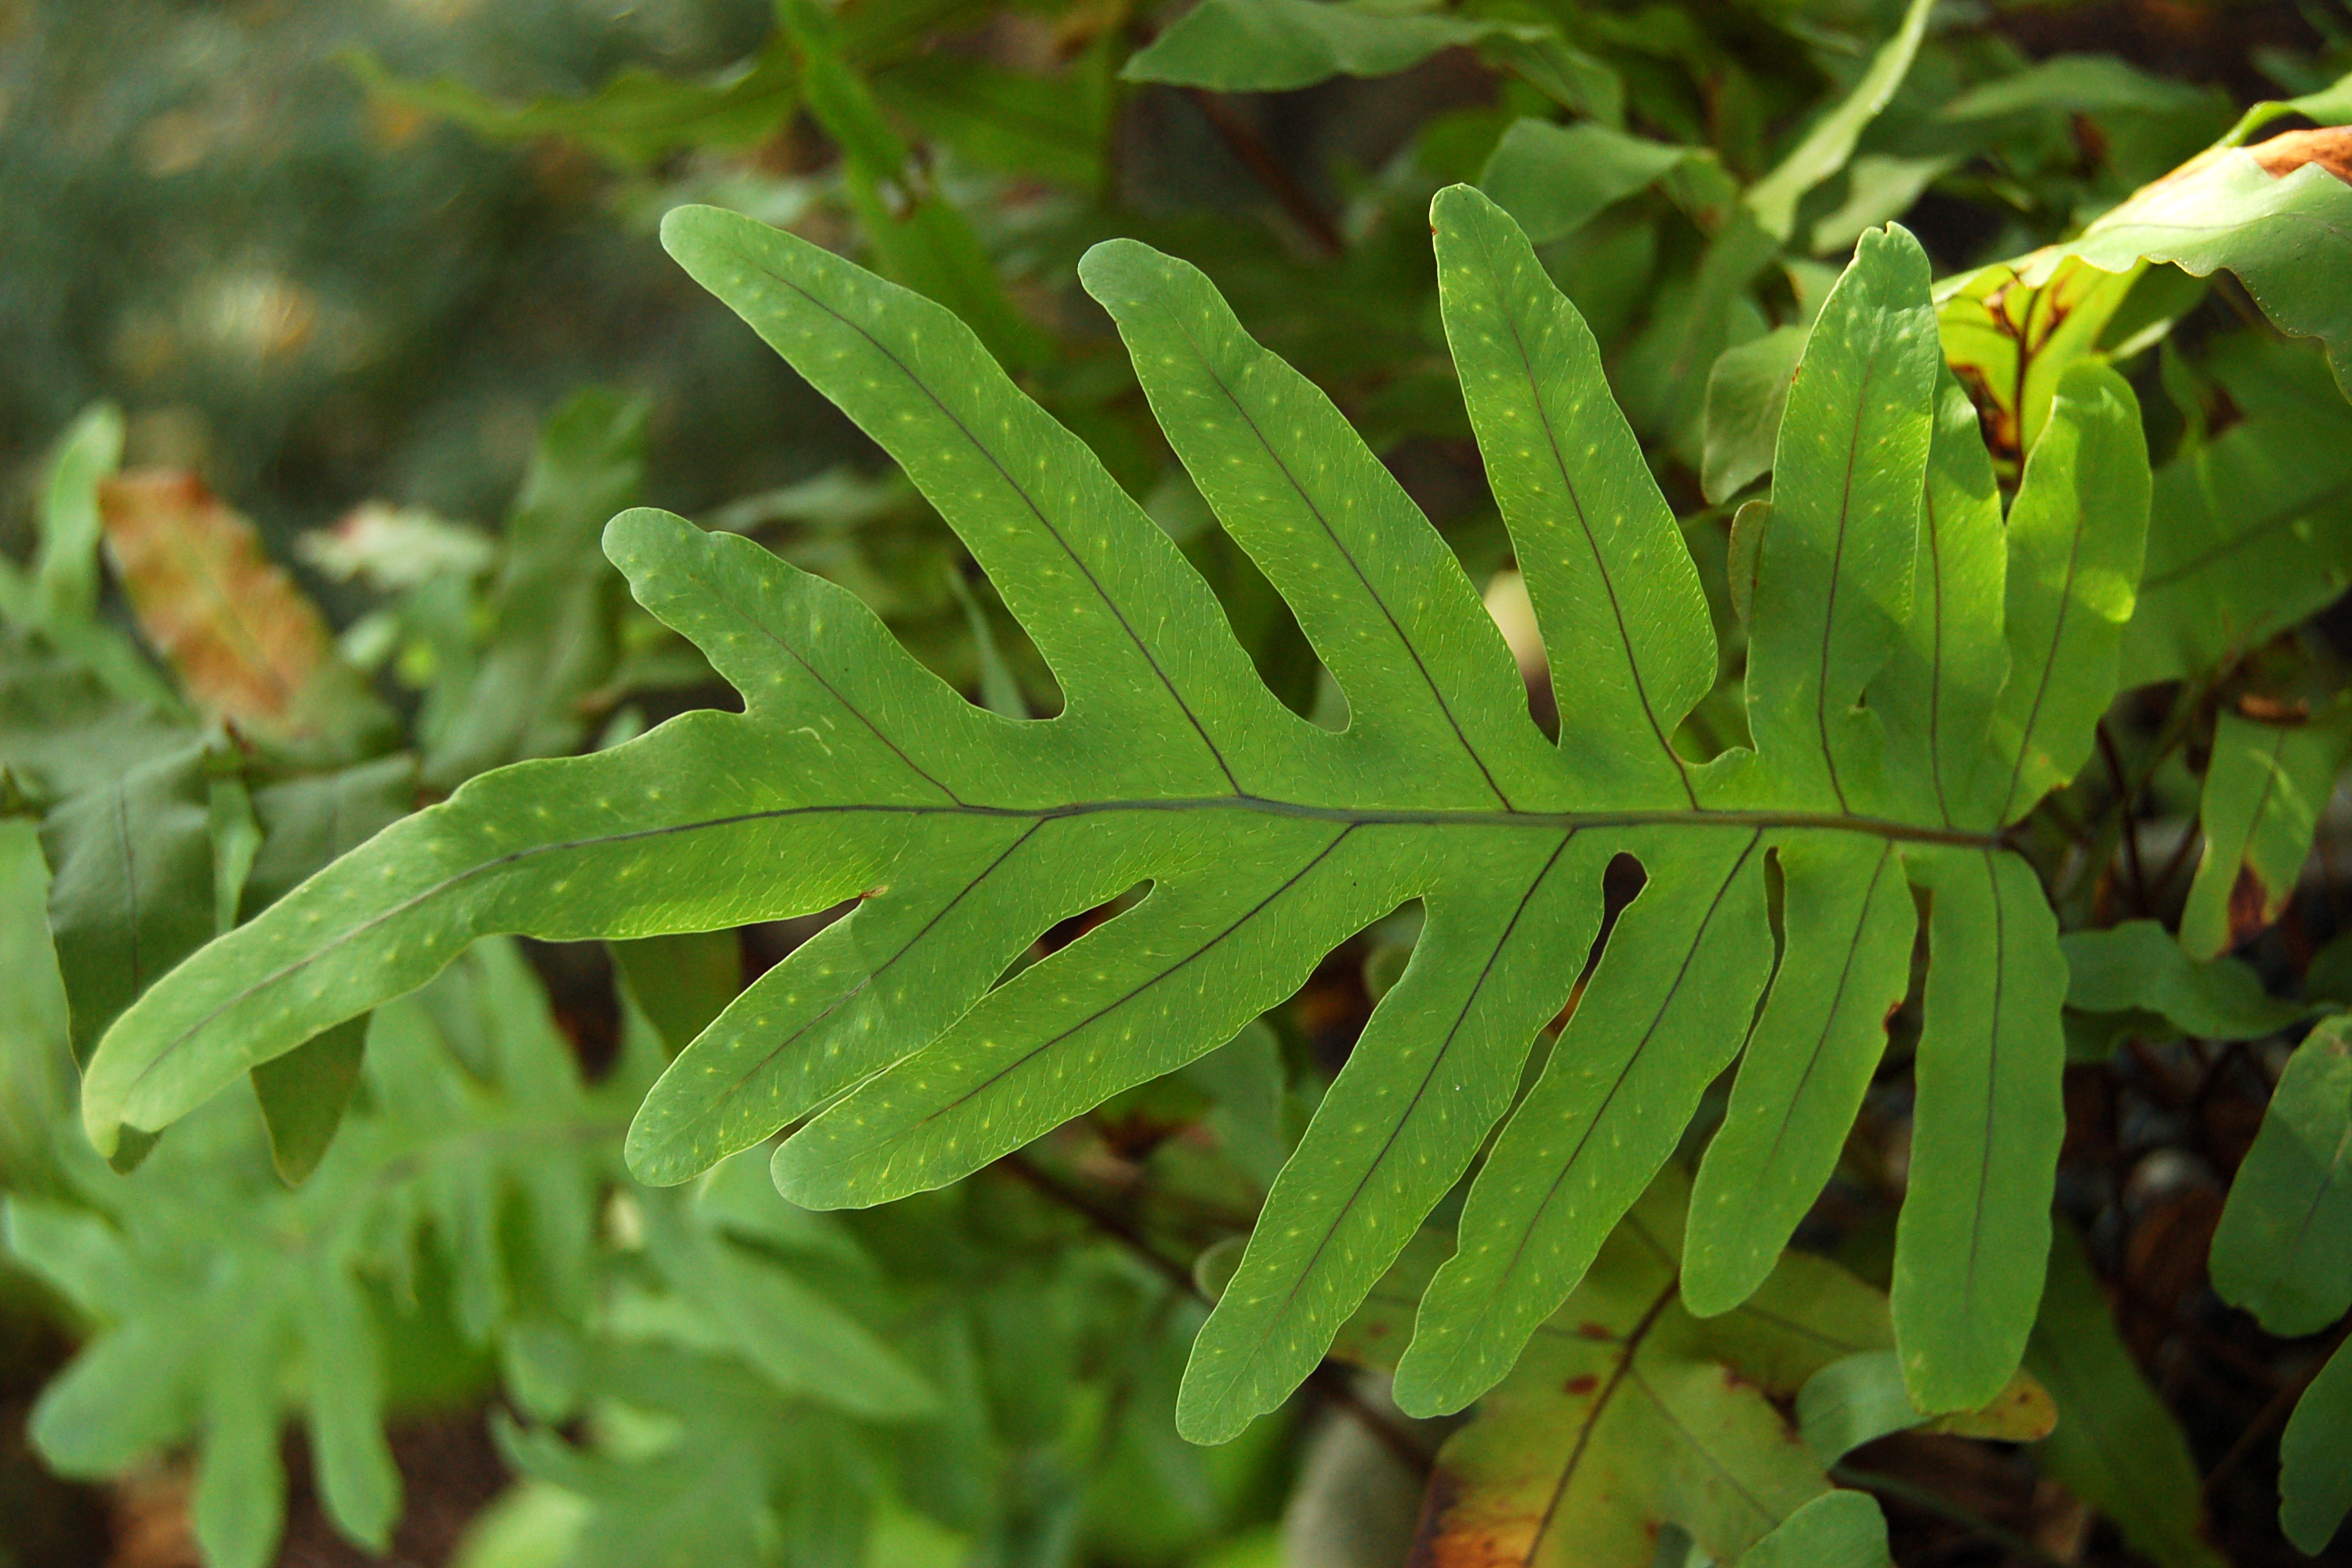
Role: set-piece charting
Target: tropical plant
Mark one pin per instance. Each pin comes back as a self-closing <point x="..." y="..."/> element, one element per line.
<point x="1704" y="872"/>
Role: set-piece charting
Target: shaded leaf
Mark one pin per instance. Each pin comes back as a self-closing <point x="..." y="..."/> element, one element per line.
<point x="2265" y="790"/>
<point x="305" y="823"/>
<point x="682" y="981"/>
<point x="2251" y="530"/>
<point x="2279" y="1250"/>
<point x="2136" y="966"/>
<point x="132" y="890"/>
<point x="2314" y="1484"/>
<point x="2115" y="1446"/>
<point x="1553" y="178"/>
<point x="304" y="1093"/>
<point x="1747" y="393"/>
<point x="1273" y="46"/>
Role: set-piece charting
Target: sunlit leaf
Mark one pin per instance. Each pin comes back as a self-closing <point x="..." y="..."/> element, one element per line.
<point x="1260" y="840"/>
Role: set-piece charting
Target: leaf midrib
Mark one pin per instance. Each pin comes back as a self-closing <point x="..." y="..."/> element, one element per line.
<point x="1584" y="523"/>
<point x="1118" y="612"/>
<point x="1633" y="1058"/>
<point x="1363" y="579"/>
<point x="1542" y="821"/>
<point x="1438" y="1060"/>
<point x="2245" y="538"/>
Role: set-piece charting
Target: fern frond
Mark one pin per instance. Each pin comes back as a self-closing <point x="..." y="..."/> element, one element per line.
<point x="1889" y="750"/>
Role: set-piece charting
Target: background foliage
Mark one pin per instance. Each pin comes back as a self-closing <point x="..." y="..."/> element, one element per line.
<point x="348" y="253"/>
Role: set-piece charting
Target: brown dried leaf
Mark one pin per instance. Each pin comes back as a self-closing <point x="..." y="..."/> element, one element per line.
<point x="248" y="644"/>
<point x="2330" y="148"/>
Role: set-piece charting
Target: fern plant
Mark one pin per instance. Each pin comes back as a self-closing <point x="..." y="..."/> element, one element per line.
<point x="1918" y="676"/>
<point x="223" y="1300"/>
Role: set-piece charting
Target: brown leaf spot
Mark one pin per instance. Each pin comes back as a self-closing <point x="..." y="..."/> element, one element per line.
<point x="2275" y="710"/>
<point x="1451" y="1535"/>
<point x="2251" y="908"/>
<point x="1596" y="1330"/>
<point x="2331" y="149"/>
<point x="1579" y="1385"/>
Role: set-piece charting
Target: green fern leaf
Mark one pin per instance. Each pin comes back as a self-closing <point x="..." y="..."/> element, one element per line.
<point x="222" y="1299"/>
<point x="1266" y="840"/>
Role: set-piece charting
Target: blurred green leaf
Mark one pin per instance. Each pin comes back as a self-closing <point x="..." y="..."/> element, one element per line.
<point x="2075" y="84"/>
<point x="1053" y="128"/>
<point x="37" y="1076"/>
<point x="224" y="1300"/>
<point x="1826" y="147"/>
<point x="1274" y="46"/>
<point x="552" y="641"/>
<point x="2139" y="965"/>
<point x="2315" y="1483"/>
<point x="2115" y="1446"/>
<point x="633" y="118"/>
<point x="1747" y="392"/>
<point x="1553" y="178"/>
